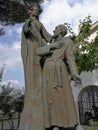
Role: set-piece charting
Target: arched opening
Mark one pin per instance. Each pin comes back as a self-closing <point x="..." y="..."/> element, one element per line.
<point x="88" y="104"/>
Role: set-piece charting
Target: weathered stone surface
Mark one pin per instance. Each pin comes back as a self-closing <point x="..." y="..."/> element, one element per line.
<point x="58" y="103"/>
<point x="33" y="34"/>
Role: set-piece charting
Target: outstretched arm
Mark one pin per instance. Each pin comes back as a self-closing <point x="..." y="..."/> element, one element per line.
<point x="48" y="49"/>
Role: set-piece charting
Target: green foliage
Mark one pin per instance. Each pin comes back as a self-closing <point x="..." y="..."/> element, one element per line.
<point x="1" y="72"/>
<point x="1" y="31"/>
<point x="14" y="11"/>
<point x="94" y="125"/>
<point x="86" y="53"/>
<point x="11" y="102"/>
<point x="84" y="29"/>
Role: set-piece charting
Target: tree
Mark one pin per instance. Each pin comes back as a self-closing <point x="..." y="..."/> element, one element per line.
<point x="14" y="11"/>
<point x="11" y="102"/>
<point x="1" y="72"/>
<point x="86" y="53"/>
<point x="19" y="103"/>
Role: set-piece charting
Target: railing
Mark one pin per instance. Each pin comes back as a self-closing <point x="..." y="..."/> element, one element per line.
<point x="9" y="124"/>
<point x="87" y="111"/>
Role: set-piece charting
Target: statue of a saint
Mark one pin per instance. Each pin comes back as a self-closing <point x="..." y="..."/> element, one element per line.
<point x="58" y="104"/>
<point x="34" y="35"/>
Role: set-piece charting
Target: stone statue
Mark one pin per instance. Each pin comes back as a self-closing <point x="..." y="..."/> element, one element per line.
<point x="34" y="35"/>
<point x="57" y="99"/>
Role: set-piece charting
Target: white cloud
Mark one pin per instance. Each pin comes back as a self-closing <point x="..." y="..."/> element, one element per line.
<point x="12" y="30"/>
<point x="12" y="84"/>
<point x="54" y="12"/>
<point x="10" y="55"/>
<point x="17" y="45"/>
<point x="19" y="30"/>
<point x="60" y="11"/>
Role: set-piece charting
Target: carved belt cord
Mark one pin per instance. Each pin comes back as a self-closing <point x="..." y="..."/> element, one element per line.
<point x="57" y="78"/>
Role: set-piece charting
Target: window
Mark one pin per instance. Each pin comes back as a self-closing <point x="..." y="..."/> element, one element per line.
<point x="88" y="104"/>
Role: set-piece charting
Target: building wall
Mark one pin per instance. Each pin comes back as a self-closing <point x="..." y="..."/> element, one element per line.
<point x="92" y="36"/>
<point x="88" y="78"/>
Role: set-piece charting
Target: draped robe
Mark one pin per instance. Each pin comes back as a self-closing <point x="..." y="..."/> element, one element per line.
<point x="57" y="98"/>
<point x="34" y="35"/>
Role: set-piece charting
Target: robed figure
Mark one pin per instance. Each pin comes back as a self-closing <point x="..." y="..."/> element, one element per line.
<point x="34" y="35"/>
<point x="59" y="110"/>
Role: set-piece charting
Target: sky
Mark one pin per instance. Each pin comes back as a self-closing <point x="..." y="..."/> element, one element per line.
<point x="54" y="12"/>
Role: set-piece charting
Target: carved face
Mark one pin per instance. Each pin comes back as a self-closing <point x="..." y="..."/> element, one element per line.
<point x="57" y="31"/>
<point x="35" y="11"/>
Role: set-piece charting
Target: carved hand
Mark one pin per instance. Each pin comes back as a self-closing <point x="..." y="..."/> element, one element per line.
<point x="56" y="46"/>
<point x="77" y="81"/>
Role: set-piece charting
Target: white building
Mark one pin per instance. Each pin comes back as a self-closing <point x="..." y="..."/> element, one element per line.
<point x="86" y="97"/>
